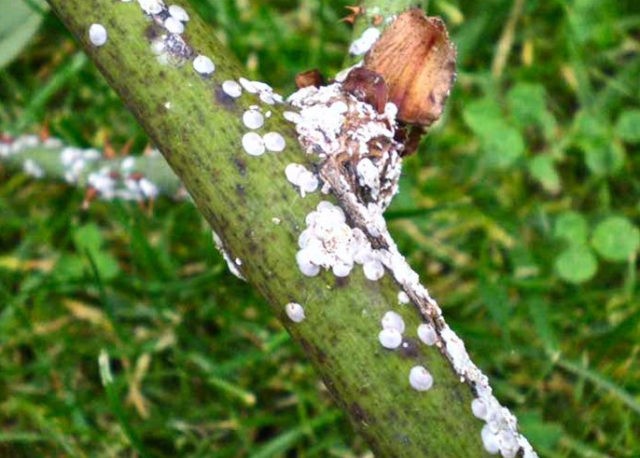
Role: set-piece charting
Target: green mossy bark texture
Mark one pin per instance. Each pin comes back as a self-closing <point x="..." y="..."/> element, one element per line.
<point x="259" y="215"/>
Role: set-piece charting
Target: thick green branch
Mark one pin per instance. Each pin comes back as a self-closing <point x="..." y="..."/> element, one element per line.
<point x="198" y="126"/>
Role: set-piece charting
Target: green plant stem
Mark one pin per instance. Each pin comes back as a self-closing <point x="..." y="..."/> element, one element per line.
<point x="259" y="215"/>
<point x="49" y="160"/>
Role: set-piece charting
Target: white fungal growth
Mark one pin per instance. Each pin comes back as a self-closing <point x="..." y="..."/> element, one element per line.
<point x="420" y="378"/>
<point x="75" y="160"/>
<point x="403" y="298"/>
<point x="148" y="189"/>
<point x="295" y="312"/>
<point x="103" y="183"/>
<point x="97" y="34"/>
<point x="364" y="43"/>
<point x="373" y="270"/>
<point x="369" y="175"/>
<point x="305" y="180"/>
<point x="178" y="13"/>
<point x="173" y="25"/>
<point x="392" y="320"/>
<point x="127" y="164"/>
<point x="479" y="408"/>
<point x="233" y="268"/>
<point x="489" y="440"/>
<point x="30" y="167"/>
<point x="427" y="334"/>
<point x="274" y="141"/>
<point x="232" y="89"/>
<point x="151" y="6"/>
<point x="335" y="125"/>
<point x="114" y="179"/>
<point x="390" y="338"/>
<point x="263" y="90"/>
<point x="292" y="116"/>
<point x="367" y="218"/>
<point x="203" y="65"/>
<point x="328" y="242"/>
<point x="253" y="144"/>
<point x="253" y="119"/>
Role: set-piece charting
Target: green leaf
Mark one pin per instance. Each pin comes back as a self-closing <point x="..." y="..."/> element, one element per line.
<point x="603" y="157"/>
<point x="628" y="126"/>
<point x="543" y="170"/>
<point x="616" y="239"/>
<point x="88" y="241"/>
<point x="542" y="323"/>
<point x="69" y="267"/>
<point x="483" y="116"/>
<point x="87" y="238"/>
<point x="503" y="147"/>
<point x="572" y="227"/>
<point x="528" y="106"/>
<point x="19" y="21"/>
<point x="590" y="126"/>
<point x="546" y="435"/>
<point x="502" y="144"/>
<point x="577" y="264"/>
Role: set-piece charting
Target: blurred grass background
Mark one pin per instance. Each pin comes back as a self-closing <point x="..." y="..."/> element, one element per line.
<point x="520" y="211"/>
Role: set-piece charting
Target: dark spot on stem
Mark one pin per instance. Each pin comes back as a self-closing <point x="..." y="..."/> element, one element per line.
<point x="152" y="32"/>
<point x="342" y="282"/>
<point x="225" y="99"/>
<point x="358" y="413"/>
<point x="314" y="351"/>
<point x="409" y="348"/>
<point x="241" y="165"/>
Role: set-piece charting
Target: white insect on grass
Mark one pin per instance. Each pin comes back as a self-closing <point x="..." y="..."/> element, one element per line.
<point x="97" y="34"/>
<point x="203" y="65"/>
<point x="295" y="312"/>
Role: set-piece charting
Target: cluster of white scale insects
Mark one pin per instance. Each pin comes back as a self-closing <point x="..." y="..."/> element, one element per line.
<point x="334" y="127"/>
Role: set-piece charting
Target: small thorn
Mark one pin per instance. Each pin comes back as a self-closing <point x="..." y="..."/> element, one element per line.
<point x="126" y="149"/>
<point x="109" y="151"/>
<point x="349" y="19"/>
<point x="44" y="133"/>
<point x="89" y="196"/>
<point x="357" y="10"/>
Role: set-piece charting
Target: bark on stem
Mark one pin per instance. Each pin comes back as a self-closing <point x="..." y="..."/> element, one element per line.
<point x="259" y="215"/>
